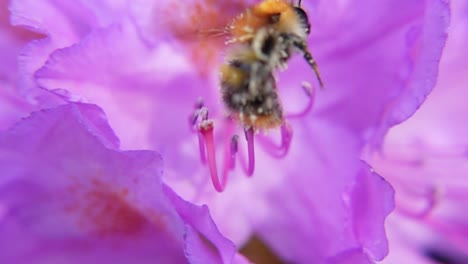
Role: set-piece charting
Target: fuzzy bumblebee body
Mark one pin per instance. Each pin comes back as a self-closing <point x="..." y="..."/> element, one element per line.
<point x="263" y="38"/>
<point x="249" y="90"/>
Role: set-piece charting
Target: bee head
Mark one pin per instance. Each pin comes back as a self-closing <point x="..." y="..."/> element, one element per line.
<point x="303" y="18"/>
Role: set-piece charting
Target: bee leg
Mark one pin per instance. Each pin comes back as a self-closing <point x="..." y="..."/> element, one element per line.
<point x="282" y="150"/>
<point x="207" y="147"/>
<point x="302" y="47"/>
<point x="286" y="131"/>
<point x="310" y="93"/>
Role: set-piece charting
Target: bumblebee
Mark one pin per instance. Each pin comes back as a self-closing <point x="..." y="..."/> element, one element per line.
<point x="249" y="91"/>
<point x="263" y="38"/>
<point x="286" y="19"/>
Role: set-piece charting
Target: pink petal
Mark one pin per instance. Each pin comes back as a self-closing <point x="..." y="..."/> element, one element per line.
<point x="352" y="256"/>
<point x="327" y="204"/>
<point x="371" y="200"/>
<point x="70" y="195"/>
<point x="425" y="160"/>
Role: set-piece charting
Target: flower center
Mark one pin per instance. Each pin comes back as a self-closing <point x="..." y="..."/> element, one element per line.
<point x="203" y="126"/>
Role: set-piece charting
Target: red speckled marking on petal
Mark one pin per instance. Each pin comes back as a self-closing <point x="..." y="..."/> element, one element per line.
<point x="102" y="211"/>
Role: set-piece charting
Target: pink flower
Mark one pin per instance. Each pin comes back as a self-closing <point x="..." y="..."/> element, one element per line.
<point x="141" y="61"/>
<point x="68" y="195"/>
<point x="425" y="159"/>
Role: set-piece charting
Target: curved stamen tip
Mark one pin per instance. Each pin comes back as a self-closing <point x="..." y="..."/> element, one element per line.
<point x="431" y="199"/>
<point x="205" y="129"/>
<point x="279" y="151"/>
<point x="309" y="90"/>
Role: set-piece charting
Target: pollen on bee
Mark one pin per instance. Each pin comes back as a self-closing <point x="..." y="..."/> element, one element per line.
<point x="248" y="29"/>
<point x="242" y="116"/>
<point x="253" y="118"/>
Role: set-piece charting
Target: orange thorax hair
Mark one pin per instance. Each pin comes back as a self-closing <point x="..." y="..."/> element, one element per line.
<point x="278" y="14"/>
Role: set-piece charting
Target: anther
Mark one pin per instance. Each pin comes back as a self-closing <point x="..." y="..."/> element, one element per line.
<point x="197" y="113"/>
<point x="203" y="114"/>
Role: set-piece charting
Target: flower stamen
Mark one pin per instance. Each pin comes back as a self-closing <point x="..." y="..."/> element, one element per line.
<point x="429" y="198"/>
<point x="201" y="146"/>
<point x="282" y="150"/>
<point x="310" y="92"/>
<point x="205" y="128"/>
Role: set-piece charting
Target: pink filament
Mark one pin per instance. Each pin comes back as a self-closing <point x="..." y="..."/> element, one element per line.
<point x="282" y="150"/>
<point x="230" y="149"/>
<point x="201" y="146"/>
<point x="428" y="194"/>
<point x="310" y="92"/>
